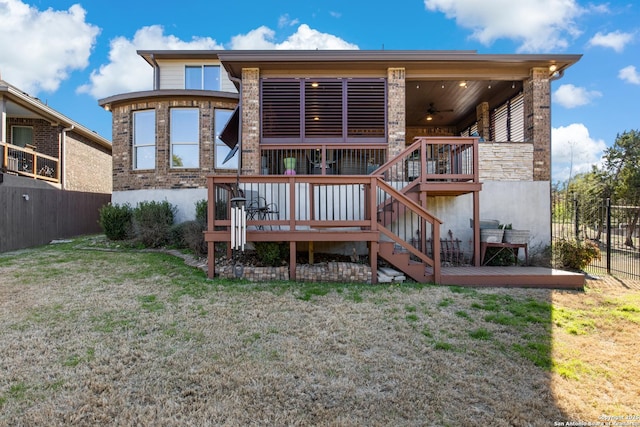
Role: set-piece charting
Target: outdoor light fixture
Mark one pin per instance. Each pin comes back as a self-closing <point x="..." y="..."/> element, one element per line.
<point x="513" y="85"/>
<point x="463" y="84"/>
<point x="315" y="84"/>
<point x="442" y="85"/>
<point x="553" y="67"/>
<point x="429" y="118"/>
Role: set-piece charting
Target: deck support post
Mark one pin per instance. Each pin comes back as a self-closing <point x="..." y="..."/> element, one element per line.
<point x="292" y="260"/>
<point x="373" y="259"/>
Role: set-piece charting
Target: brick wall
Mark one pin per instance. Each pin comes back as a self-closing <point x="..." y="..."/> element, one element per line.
<point x="163" y="177"/>
<point x="537" y="121"/>
<point x="396" y="128"/>
<point x="505" y="161"/>
<point x="250" y="121"/>
<point x="45" y="136"/>
<point x="87" y="165"/>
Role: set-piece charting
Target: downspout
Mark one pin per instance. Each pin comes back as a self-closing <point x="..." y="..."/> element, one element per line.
<point x="156" y="73"/>
<point x="62" y="156"/>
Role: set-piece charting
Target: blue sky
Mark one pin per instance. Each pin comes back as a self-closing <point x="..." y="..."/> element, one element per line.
<point x="70" y="54"/>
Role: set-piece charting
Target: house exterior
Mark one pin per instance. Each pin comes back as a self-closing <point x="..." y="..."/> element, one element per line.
<point x="55" y="174"/>
<point x="39" y="142"/>
<point x="463" y="136"/>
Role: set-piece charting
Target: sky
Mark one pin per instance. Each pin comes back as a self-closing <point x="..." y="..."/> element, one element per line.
<point x="70" y="54"/>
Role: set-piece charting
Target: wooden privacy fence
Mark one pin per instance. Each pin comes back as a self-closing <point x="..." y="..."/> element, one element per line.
<point x="35" y="216"/>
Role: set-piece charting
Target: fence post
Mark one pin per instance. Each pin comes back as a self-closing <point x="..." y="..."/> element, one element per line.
<point x="608" y="235"/>
<point x="576" y="229"/>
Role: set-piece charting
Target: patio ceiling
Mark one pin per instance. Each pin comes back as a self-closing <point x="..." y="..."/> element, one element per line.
<point x="454" y="105"/>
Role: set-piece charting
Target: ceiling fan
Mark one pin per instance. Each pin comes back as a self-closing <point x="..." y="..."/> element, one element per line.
<point x="432" y="111"/>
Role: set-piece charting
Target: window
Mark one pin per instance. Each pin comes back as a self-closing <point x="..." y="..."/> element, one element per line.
<point x="334" y="110"/>
<point x="21" y="135"/>
<point x="144" y="139"/>
<point x="205" y="77"/>
<point x="222" y="150"/>
<point x="185" y="129"/>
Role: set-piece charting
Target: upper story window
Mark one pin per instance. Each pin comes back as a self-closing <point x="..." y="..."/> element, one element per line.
<point x="330" y="110"/>
<point x="221" y="118"/>
<point x="21" y="135"/>
<point x="205" y="77"/>
<point x="185" y="136"/>
<point x="144" y="139"/>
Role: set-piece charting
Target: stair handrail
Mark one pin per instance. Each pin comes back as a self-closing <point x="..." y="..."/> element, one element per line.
<point x="423" y="214"/>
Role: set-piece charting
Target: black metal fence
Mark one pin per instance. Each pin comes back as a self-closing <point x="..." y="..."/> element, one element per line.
<point x="614" y="228"/>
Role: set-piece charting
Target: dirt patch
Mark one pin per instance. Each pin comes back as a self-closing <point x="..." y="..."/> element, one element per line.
<point x="96" y="337"/>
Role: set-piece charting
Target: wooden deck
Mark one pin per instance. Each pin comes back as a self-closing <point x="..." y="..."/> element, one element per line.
<point x="534" y="277"/>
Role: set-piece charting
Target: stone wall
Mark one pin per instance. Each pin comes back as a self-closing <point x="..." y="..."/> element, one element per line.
<point x="396" y="128"/>
<point x="505" y="161"/>
<point x="326" y="272"/>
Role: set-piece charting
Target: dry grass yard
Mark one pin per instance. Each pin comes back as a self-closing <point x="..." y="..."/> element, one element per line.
<point x="92" y="337"/>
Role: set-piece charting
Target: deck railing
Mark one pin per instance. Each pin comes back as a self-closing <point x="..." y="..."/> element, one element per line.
<point x="28" y="162"/>
<point x="323" y="159"/>
<point x="305" y="208"/>
<point x="428" y="159"/>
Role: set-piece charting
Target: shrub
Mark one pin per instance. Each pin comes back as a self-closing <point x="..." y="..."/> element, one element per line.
<point x="270" y="253"/>
<point x="115" y="221"/>
<point x="201" y="211"/>
<point x="500" y="257"/>
<point x="152" y="222"/>
<point x="576" y="255"/>
<point x="193" y="239"/>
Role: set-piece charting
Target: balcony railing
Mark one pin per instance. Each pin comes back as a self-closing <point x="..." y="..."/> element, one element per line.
<point x="28" y="162"/>
<point x="441" y="160"/>
<point x="320" y="160"/>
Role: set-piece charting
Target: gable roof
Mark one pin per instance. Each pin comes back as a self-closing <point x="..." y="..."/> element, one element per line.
<point x="21" y="104"/>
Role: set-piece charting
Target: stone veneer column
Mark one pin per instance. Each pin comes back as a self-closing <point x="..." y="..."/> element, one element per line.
<point x="483" y="117"/>
<point x="396" y="111"/>
<point x="537" y="121"/>
<point x="250" y="156"/>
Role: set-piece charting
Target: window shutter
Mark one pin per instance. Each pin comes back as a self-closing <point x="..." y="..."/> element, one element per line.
<point x="366" y="108"/>
<point x="323" y="109"/>
<point x="280" y="109"/>
<point x="517" y="119"/>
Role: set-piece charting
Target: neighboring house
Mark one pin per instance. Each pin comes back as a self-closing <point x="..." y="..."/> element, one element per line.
<point x="55" y="174"/>
<point x="39" y="142"/>
<point x="466" y="136"/>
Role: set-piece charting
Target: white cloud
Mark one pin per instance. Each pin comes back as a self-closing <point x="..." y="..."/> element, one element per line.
<point x="127" y="71"/>
<point x="570" y="96"/>
<point x="630" y="75"/>
<point x="540" y="25"/>
<point x="304" y="38"/>
<point x="286" y="21"/>
<point x="41" y="48"/>
<point x="573" y="151"/>
<point x="615" y="40"/>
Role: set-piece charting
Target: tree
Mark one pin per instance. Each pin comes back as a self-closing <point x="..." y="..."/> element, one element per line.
<point x="622" y="166"/>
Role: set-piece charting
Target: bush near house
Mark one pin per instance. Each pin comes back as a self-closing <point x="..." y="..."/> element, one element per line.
<point x="152" y="222"/>
<point x="116" y="221"/>
<point x="576" y="255"/>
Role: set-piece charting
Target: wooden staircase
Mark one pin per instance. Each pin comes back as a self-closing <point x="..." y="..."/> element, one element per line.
<point x="401" y="260"/>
